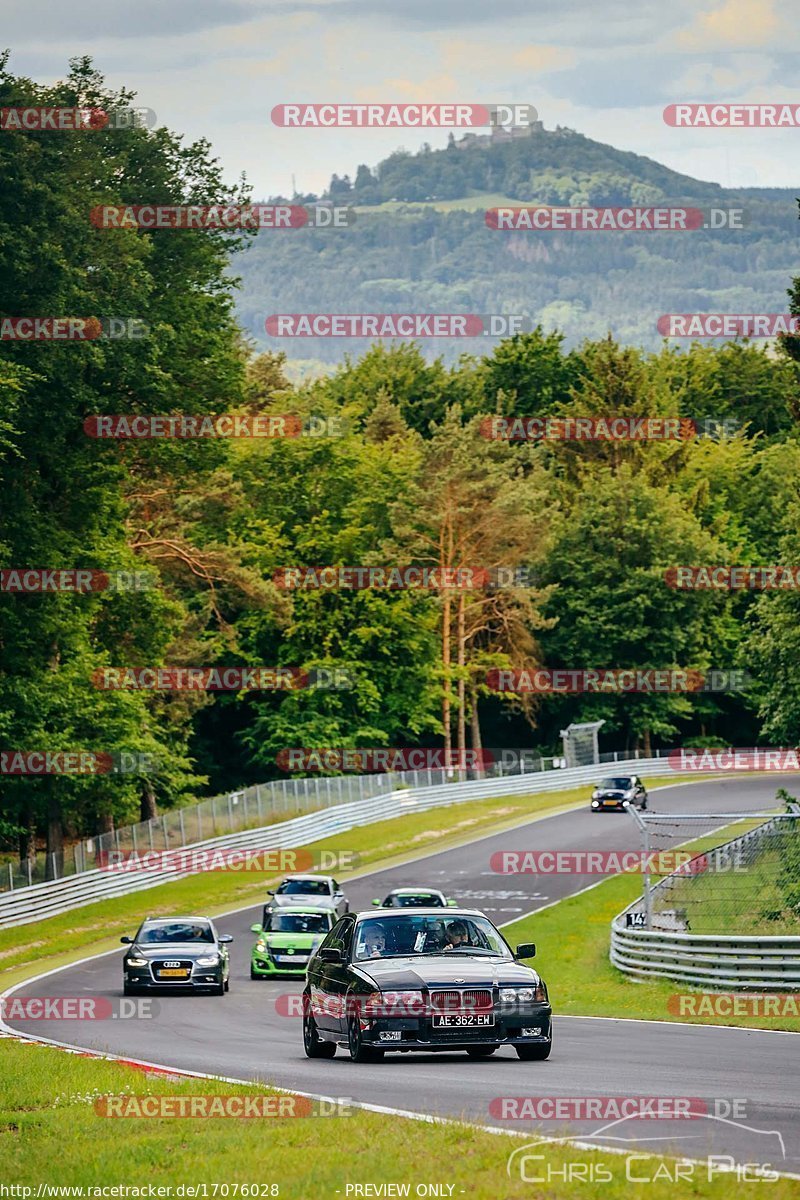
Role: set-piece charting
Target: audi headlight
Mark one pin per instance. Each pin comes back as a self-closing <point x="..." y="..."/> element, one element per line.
<point x="208" y="960"/>
<point x="135" y="962"/>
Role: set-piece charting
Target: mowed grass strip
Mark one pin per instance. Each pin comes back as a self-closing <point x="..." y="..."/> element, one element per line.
<point x="52" y="1134"/>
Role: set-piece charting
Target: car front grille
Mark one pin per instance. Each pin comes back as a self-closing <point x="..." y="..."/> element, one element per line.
<point x="475" y="1000"/>
<point x="180" y="964"/>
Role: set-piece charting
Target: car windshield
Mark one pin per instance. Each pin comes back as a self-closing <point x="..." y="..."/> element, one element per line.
<point x="417" y="900"/>
<point x="619" y="783"/>
<point x="286" y="922"/>
<point x="174" y="931"/>
<point x="395" y="937"/>
<point x="304" y="887"/>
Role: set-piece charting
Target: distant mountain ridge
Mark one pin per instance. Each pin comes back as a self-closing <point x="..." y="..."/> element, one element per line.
<point x="420" y="243"/>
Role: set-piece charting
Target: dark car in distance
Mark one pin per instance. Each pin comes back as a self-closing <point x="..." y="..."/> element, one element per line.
<point x="618" y="792"/>
<point x="184" y="953"/>
<point x="423" y="980"/>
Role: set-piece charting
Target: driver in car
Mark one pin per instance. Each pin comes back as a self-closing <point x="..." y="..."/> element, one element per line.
<point x="375" y="941"/>
<point x="456" y="935"/>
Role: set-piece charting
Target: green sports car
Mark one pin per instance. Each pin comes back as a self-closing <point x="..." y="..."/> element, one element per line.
<point x="287" y="938"/>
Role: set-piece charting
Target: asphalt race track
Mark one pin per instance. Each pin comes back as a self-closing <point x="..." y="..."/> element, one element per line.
<point x="241" y="1035"/>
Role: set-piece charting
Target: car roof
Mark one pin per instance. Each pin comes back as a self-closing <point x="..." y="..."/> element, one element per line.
<point x="302" y="875"/>
<point x="412" y="891"/>
<point x="178" y="919"/>
<point x="299" y="910"/>
<point x="429" y="911"/>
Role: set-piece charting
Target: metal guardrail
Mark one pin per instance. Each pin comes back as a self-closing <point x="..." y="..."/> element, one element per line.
<point x="713" y="961"/>
<point x="42" y="900"/>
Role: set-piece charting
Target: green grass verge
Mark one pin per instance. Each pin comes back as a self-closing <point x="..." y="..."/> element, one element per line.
<point x="51" y="1133"/>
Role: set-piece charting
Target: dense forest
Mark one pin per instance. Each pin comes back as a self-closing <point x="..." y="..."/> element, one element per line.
<point x="389" y="465"/>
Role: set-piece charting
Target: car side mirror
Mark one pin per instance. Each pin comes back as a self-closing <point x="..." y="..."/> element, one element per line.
<point x="331" y="954"/>
<point x="256" y="928"/>
<point x="377" y="903"/>
<point x="126" y="941"/>
<point x="270" y="893"/>
<point x="224" y="938"/>
<point x="525" y="950"/>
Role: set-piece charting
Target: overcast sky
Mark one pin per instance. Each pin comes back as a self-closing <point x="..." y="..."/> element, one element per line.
<point x="215" y="68"/>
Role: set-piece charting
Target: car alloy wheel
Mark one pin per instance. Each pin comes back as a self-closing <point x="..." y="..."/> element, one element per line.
<point x="359" y="1052"/>
<point x="313" y="1046"/>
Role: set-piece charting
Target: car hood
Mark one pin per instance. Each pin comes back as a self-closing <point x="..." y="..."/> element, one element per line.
<point x="445" y="971"/>
<point x="175" y="950"/>
<point x="613" y="791"/>
<point x="292" y="941"/>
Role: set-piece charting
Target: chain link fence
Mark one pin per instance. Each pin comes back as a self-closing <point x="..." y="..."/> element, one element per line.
<point x="720" y="874"/>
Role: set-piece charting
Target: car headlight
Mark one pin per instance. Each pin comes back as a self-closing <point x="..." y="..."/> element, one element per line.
<point x="595" y="804"/>
<point x="510" y="995"/>
<point x="135" y="962"/>
<point x="524" y="995"/>
<point x="408" y="1003"/>
<point x="208" y="960"/>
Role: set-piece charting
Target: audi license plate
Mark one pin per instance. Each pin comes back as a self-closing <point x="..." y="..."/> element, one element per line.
<point x="173" y="971"/>
<point x="462" y="1020"/>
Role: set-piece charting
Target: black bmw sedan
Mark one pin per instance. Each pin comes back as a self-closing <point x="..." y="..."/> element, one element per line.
<point x="426" y="981"/>
<point x="185" y="953"/>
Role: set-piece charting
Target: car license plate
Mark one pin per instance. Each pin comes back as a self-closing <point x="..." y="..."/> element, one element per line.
<point x="611" y="803"/>
<point x="462" y="1020"/>
<point x="299" y="960"/>
<point x="174" y="971"/>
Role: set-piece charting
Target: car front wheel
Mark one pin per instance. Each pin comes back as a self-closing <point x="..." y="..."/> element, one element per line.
<point x="359" y="1052"/>
<point x="534" y="1053"/>
<point x="313" y="1046"/>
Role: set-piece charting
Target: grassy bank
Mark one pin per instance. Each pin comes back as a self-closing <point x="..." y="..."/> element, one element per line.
<point x="52" y="1134"/>
<point x="572" y="941"/>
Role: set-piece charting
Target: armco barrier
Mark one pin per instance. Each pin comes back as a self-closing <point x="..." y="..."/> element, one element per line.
<point x="710" y="961"/>
<point x="43" y="900"/>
